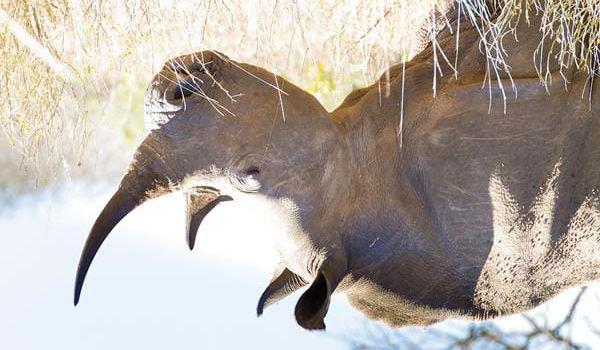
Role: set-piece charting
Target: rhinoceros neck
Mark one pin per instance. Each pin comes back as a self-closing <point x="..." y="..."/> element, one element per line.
<point x="476" y="210"/>
<point x="475" y="213"/>
<point x="390" y="240"/>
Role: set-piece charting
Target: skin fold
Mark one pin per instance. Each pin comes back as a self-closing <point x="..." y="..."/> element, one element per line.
<point x="463" y="210"/>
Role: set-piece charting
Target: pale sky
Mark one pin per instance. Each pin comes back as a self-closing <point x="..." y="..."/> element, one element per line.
<point x="145" y="288"/>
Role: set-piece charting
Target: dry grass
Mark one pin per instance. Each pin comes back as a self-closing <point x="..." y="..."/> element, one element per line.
<point x="74" y="72"/>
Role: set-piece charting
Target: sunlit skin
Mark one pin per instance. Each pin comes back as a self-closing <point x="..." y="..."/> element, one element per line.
<point x="461" y="210"/>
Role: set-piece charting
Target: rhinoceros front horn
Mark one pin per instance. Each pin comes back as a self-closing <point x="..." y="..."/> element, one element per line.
<point x="119" y="205"/>
<point x="136" y="187"/>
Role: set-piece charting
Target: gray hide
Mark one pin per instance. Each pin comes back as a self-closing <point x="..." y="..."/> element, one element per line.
<point x="474" y="214"/>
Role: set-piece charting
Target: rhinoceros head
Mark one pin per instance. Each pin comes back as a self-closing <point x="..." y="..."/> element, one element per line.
<point x="221" y="131"/>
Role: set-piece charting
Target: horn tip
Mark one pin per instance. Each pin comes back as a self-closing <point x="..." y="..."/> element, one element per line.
<point x="191" y="239"/>
<point x="76" y="298"/>
<point x="78" y="287"/>
<point x="262" y="303"/>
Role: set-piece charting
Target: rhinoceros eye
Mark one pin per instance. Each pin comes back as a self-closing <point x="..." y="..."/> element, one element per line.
<point x="248" y="164"/>
<point x="252" y="170"/>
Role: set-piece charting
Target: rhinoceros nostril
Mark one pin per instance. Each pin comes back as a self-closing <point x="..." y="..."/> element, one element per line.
<point x="198" y="67"/>
<point x="180" y="92"/>
<point x="185" y="88"/>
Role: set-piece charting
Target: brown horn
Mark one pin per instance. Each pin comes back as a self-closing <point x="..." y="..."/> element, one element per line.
<point x="119" y="205"/>
<point x="197" y="207"/>
<point x="137" y="186"/>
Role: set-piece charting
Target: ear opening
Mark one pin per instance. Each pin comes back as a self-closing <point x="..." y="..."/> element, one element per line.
<point x="313" y="304"/>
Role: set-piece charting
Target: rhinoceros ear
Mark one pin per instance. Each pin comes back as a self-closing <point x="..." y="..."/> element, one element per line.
<point x="313" y="304"/>
<point x="284" y="283"/>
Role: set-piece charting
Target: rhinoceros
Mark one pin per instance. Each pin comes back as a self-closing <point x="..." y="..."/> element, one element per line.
<point x="466" y="208"/>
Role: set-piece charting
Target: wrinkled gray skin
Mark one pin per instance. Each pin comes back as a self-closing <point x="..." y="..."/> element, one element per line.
<point x="474" y="214"/>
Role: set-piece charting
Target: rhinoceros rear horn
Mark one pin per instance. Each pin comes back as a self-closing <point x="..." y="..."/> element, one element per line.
<point x="198" y="205"/>
<point x="122" y="202"/>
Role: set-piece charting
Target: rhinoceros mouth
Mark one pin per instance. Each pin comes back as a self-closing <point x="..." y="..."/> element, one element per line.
<point x="199" y="203"/>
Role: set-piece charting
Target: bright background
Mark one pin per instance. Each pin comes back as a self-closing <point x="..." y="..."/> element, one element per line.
<point x="72" y="80"/>
<point x="147" y="290"/>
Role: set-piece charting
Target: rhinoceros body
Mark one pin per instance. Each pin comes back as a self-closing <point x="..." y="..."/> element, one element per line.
<point x="466" y="207"/>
